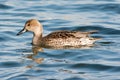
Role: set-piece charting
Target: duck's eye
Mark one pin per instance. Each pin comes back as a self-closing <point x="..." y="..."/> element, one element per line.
<point x="28" y="24"/>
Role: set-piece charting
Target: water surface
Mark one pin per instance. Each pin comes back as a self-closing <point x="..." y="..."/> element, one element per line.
<point x="99" y="62"/>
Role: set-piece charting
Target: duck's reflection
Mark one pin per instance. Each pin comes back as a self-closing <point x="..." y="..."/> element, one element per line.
<point x="35" y="50"/>
<point x="38" y="49"/>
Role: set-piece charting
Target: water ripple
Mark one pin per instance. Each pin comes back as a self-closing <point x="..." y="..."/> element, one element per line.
<point x="3" y="6"/>
<point x="17" y="61"/>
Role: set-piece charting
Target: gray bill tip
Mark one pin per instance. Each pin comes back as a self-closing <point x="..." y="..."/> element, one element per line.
<point x="21" y="32"/>
<point x="17" y="34"/>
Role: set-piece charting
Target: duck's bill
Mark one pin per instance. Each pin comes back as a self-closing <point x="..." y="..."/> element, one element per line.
<point x="21" y="32"/>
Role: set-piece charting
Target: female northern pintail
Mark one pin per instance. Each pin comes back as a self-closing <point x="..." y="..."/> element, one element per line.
<point x="57" y="38"/>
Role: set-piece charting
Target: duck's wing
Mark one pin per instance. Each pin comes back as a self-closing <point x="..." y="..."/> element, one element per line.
<point x="84" y="34"/>
<point x="60" y="34"/>
<point x="68" y="34"/>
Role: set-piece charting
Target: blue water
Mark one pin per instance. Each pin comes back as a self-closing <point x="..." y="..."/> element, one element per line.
<point x="101" y="62"/>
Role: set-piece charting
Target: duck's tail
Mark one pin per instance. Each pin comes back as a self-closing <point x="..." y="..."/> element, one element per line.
<point x="93" y="31"/>
<point x="96" y="39"/>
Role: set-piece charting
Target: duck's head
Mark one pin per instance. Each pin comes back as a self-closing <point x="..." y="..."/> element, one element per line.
<point x="32" y="25"/>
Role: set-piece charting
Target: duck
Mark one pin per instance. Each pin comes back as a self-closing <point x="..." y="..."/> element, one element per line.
<point x="59" y="38"/>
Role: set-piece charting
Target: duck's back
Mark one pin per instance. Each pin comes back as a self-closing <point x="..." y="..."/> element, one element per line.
<point x="67" y="34"/>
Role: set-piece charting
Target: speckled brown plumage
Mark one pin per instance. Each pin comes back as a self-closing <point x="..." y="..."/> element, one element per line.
<point x="57" y="38"/>
<point x="69" y="34"/>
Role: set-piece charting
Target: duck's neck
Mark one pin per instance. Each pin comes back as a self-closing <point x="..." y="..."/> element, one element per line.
<point x="37" y="39"/>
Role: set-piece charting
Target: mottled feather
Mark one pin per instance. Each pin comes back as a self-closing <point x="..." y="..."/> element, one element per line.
<point x="68" y="34"/>
<point x="57" y="38"/>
